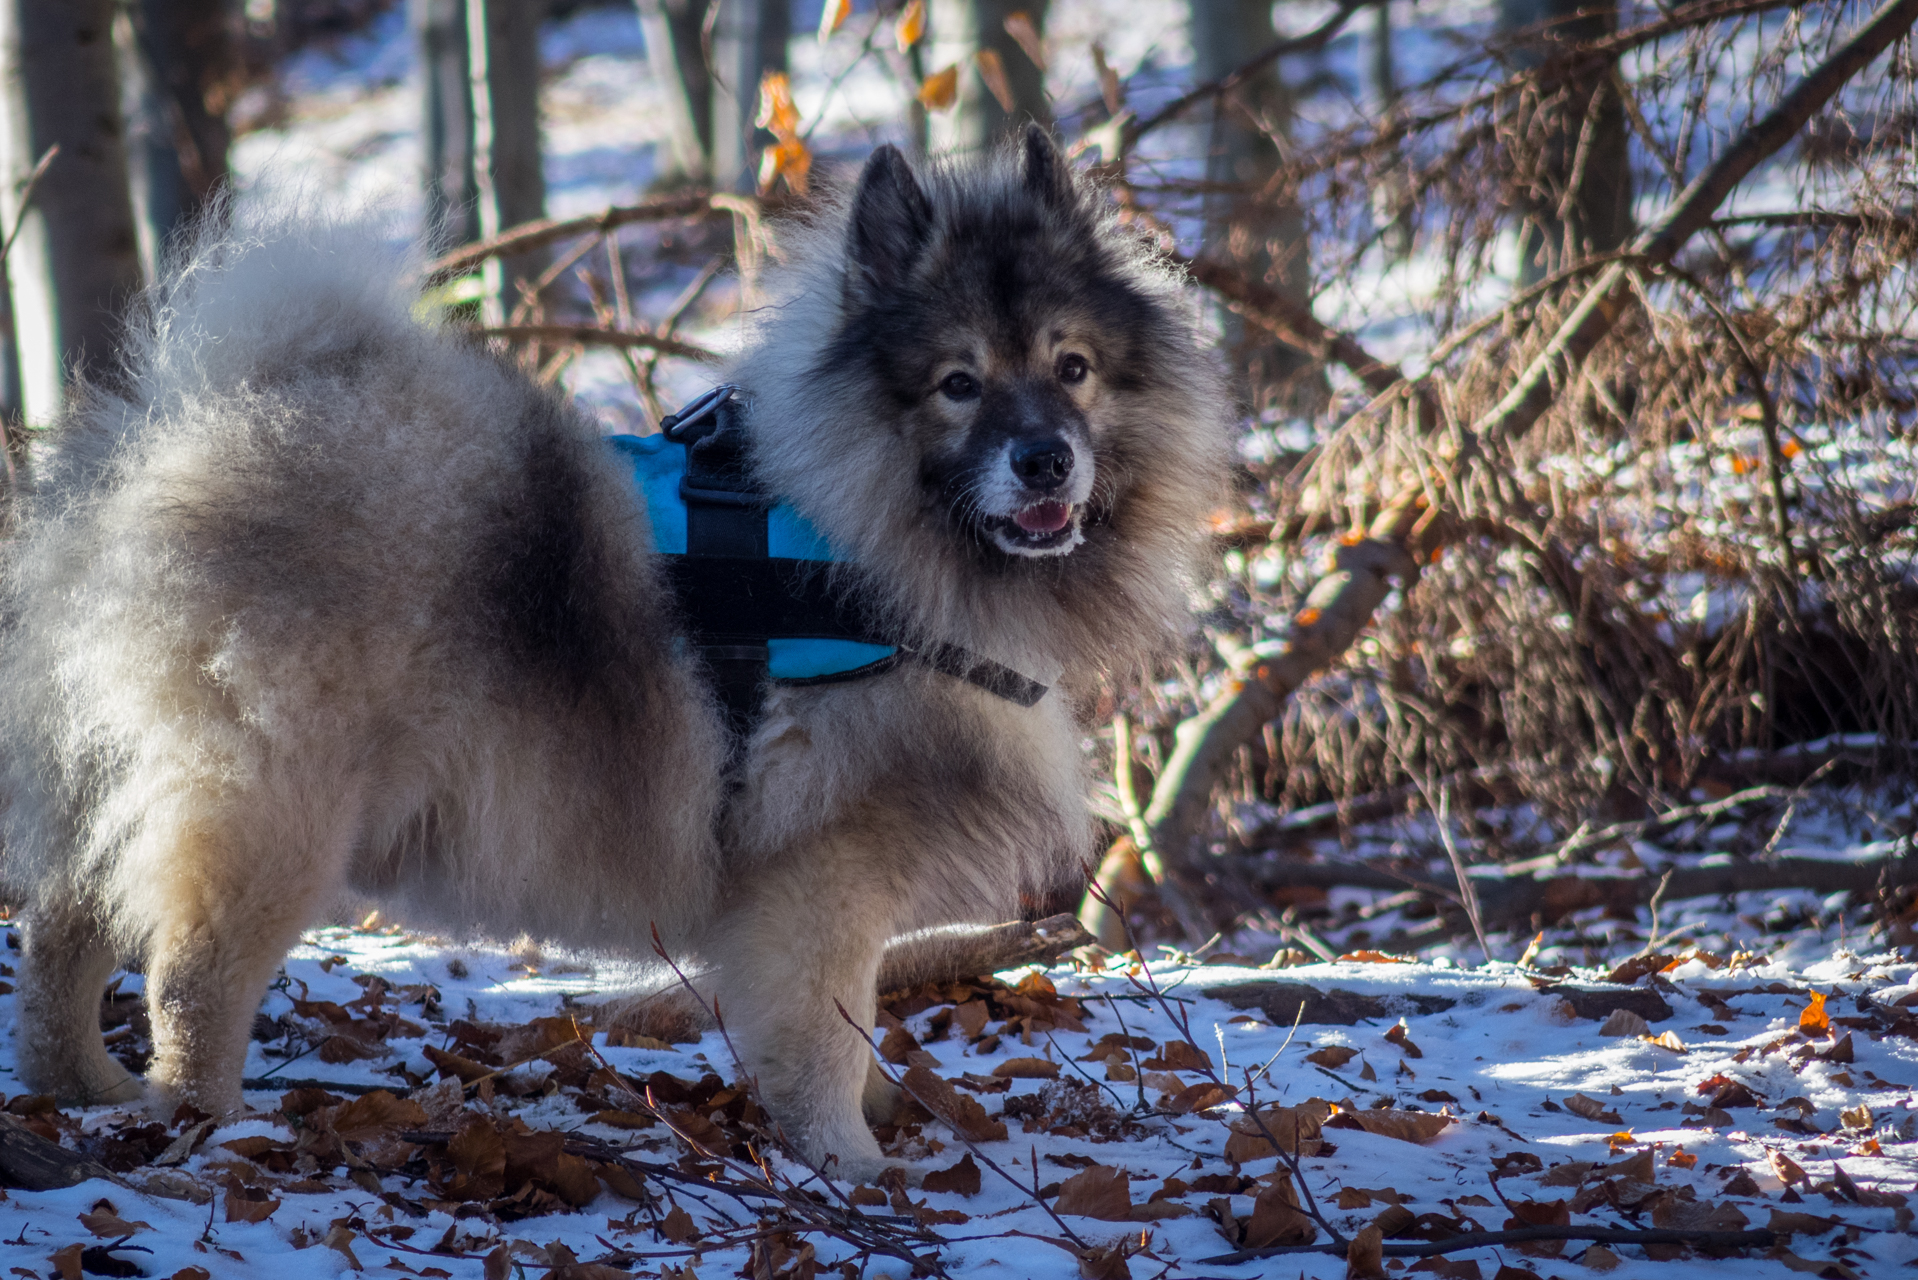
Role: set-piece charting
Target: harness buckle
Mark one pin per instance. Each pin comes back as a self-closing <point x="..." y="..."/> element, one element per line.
<point x="702" y="410"/>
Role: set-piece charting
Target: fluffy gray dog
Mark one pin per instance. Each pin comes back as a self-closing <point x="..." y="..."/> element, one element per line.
<point x="325" y="599"/>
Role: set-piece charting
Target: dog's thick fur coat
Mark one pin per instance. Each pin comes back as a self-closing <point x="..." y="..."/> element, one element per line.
<point x="322" y="599"/>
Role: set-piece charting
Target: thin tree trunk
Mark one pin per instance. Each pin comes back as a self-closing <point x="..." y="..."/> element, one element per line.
<point x="674" y="54"/>
<point x="503" y="56"/>
<point x="181" y="69"/>
<point x="77" y="260"/>
<point x="446" y="120"/>
<point x="1579" y="205"/>
<point x="1391" y="208"/>
<point x="973" y="33"/>
<point x="749" y="39"/>
<point x="1264" y="236"/>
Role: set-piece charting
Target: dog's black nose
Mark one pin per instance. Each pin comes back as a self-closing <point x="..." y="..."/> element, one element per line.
<point x="1042" y="464"/>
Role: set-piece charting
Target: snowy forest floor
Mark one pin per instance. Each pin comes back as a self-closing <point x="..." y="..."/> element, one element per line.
<point x="1087" y="1116"/>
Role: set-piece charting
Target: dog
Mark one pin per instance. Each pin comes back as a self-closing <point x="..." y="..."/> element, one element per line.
<point x="318" y="598"/>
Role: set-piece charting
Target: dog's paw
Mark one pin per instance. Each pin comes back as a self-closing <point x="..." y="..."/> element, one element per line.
<point x="889" y="1175"/>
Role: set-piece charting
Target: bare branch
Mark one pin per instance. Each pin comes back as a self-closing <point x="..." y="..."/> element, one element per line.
<point x="532" y="235"/>
<point x="590" y="336"/>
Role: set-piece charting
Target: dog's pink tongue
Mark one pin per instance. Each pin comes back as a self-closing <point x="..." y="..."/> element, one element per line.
<point x="1044" y="517"/>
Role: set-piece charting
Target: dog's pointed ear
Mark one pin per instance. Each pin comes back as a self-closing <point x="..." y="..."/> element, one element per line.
<point x="891" y="221"/>
<point x="1046" y="175"/>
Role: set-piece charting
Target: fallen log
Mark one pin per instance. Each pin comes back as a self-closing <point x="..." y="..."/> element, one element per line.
<point x="30" y="1162"/>
<point x="1514" y="900"/>
<point x="972" y="951"/>
<point x="676" y="1015"/>
<point x="1758" y="1238"/>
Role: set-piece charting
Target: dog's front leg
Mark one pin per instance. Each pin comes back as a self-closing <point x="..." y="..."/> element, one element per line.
<point x="798" y="942"/>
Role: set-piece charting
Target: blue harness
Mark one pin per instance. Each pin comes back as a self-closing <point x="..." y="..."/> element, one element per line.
<point x="754" y="579"/>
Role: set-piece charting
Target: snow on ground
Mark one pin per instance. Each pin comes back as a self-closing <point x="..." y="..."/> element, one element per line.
<point x="1462" y="1097"/>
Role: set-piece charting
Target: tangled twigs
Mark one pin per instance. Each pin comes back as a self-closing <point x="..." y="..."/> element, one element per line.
<point x="1182" y="1019"/>
<point x="1334" y="613"/>
<point x="1606" y="301"/>
<point x="1343" y="602"/>
<point x="1310" y="42"/>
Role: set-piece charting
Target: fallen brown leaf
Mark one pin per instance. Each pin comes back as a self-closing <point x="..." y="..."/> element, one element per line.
<point x="109" y="1225"/>
<point x="1027" y="1069"/>
<point x="1814" y="1021"/>
<point x="1787" y="1169"/>
<point x="1365" y="1255"/>
<point x="1104" y="1263"/>
<point x="1099" y="1192"/>
<point x="1406" y="1126"/>
<point x="67" y="1261"/>
<point x="961" y="1179"/>
<point x="1333" y="1055"/>
<point x="1591" y="1109"/>
<point x="248" y="1204"/>
<point x="1277" y="1218"/>
<point x="1178" y="1055"/>
<point x="964" y="1114"/>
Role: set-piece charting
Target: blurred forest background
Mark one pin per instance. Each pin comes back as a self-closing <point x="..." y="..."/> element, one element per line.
<point x="1569" y="573"/>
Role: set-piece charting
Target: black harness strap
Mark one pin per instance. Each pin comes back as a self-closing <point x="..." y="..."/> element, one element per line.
<point x="994" y="678"/>
<point x="735" y="597"/>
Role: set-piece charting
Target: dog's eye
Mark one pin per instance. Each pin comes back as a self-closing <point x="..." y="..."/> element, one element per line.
<point x="1073" y="368"/>
<point x="959" y="386"/>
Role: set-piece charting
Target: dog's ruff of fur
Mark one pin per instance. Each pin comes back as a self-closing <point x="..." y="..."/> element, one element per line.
<point x="319" y="599"/>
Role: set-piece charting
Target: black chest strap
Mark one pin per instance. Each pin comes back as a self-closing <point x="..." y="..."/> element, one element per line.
<point x="735" y="597"/>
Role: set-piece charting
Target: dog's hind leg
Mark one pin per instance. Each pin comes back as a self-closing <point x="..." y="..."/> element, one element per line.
<point x="242" y="892"/>
<point x="64" y="969"/>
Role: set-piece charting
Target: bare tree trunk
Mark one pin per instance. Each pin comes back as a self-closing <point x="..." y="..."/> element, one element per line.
<point x="749" y="39"/>
<point x="446" y="111"/>
<point x="1265" y="237"/>
<point x="77" y="260"/>
<point x="1391" y="207"/>
<point x="503" y="58"/>
<point x="974" y="34"/>
<point x="677" y="59"/>
<point x="1579" y="205"/>
<point x="181" y="68"/>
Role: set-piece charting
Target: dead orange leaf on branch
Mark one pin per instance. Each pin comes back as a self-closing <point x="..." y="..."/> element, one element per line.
<point x="938" y="91"/>
<point x="789" y="157"/>
<point x="912" y="24"/>
<point x="992" y="70"/>
<point x="832" y="17"/>
<point x="1025" y="34"/>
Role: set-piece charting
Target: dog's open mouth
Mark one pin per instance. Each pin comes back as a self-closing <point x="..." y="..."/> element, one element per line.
<point x="1037" y="529"/>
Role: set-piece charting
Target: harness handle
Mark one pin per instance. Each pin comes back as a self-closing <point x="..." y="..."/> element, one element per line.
<point x="703" y="408"/>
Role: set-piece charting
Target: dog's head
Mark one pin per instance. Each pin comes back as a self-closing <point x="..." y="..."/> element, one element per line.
<point x="990" y="395"/>
<point x="1005" y="337"/>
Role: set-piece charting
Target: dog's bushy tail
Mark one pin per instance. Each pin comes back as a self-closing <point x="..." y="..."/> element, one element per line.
<point x="272" y="289"/>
